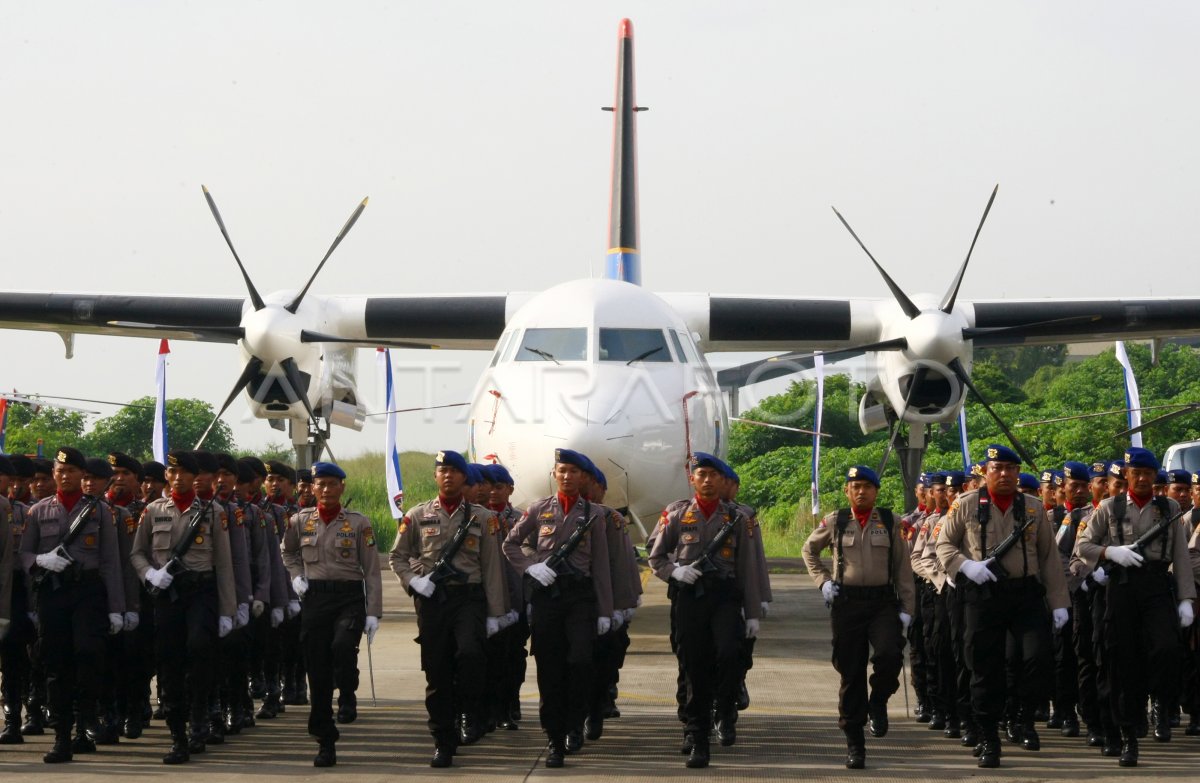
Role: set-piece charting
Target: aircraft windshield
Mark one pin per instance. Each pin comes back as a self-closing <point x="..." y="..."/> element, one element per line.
<point x="633" y="345"/>
<point x="553" y="345"/>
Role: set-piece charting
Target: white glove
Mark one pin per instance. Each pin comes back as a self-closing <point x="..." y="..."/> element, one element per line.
<point x="160" y="578"/>
<point x="32" y="617"/>
<point x="4" y="626"/>
<point x="52" y="561"/>
<point x="1084" y="586"/>
<point x="1186" y="615"/>
<point x="300" y="585"/>
<point x="242" y="617"/>
<point x="977" y="571"/>
<point x="370" y="627"/>
<point x="905" y="621"/>
<point x="543" y="573"/>
<point x="224" y="626"/>
<point x="618" y="619"/>
<point x="422" y="586"/>
<point x="1123" y="556"/>
<point x="131" y="621"/>
<point x="257" y="608"/>
<point x="686" y="574"/>
<point x="639" y="602"/>
<point x="116" y="622"/>
<point x="277" y="617"/>
<point x="763" y="608"/>
<point x="950" y="583"/>
<point x="629" y="613"/>
<point x="293" y="609"/>
<point x="751" y="629"/>
<point x="829" y="590"/>
<point x="1060" y="618"/>
<point x="1100" y="576"/>
<point x="603" y="624"/>
<point x="511" y="618"/>
<point x="492" y="624"/>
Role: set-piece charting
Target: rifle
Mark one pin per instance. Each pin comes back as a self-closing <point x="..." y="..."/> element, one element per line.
<point x="444" y="569"/>
<point x="1004" y="546"/>
<point x="73" y="530"/>
<point x="705" y="562"/>
<point x="175" y="564"/>
<point x="559" y="559"/>
<point x="1146" y="539"/>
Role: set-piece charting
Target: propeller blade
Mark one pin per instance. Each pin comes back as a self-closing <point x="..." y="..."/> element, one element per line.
<point x="1191" y="408"/>
<point x="292" y="373"/>
<point x="249" y="372"/>
<point x="780" y="427"/>
<point x="291" y="308"/>
<point x="948" y="300"/>
<point x="254" y="297"/>
<point x="1124" y="411"/>
<point x="906" y="304"/>
<point x="918" y="379"/>
<point x="736" y="376"/>
<point x="971" y="332"/>
<point x="308" y="336"/>
<point x="960" y="371"/>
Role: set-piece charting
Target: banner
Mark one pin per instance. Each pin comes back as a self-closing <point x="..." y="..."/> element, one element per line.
<point x="391" y="457"/>
<point x="819" y="366"/>
<point x="1133" y="400"/>
<point x="160" y="404"/>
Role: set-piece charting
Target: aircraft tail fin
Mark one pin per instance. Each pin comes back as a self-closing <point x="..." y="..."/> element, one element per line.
<point x="623" y="261"/>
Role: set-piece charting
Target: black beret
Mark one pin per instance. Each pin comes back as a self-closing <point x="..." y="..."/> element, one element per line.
<point x="99" y="468"/>
<point x="304" y="476"/>
<point x="206" y="461"/>
<point x="42" y="466"/>
<point x="23" y="465"/>
<point x="155" y="471"/>
<point x="255" y="465"/>
<point x="183" y="460"/>
<point x="6" y="467"/>
<point x="119" y="459"/>
<point x="226" y="462"/>
<point x="71" y="456"/>
<point x="281" y="469"/>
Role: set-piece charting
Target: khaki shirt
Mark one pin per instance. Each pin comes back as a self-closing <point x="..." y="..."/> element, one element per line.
<point x="867" y="551"/>
<point x="1194" y="549"/>
<point x="920" y="543"/>
<point x="163" y="524"/>
<point x="340" y="550"/>
<point x="620" y="554"/>
<point x="545" y="528"/>
<point x="427" y="528"/>
<point x="685" y="533"/>
<point x="928" y="555"/>
<point x="1036" y="555"/>
<point x="95" y="548"/>
<point x="760" y="554"/>
<point x="1171" y="547"/>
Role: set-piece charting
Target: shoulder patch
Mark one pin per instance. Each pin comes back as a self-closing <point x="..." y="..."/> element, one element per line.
<point x="954" y="505"/>
<point x="368" y="536"/>
<point x="493" y="525"/>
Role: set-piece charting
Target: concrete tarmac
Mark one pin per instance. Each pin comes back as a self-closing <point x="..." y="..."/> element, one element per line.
<point x="789" y="732"/>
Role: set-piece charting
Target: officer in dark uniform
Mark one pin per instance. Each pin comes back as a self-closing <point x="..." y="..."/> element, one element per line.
<point x="871" y="596"/>
<point x="80" y="598"/>
<point x="910" y="525"/>
<point x="331" y="557"/>
<point x="707" y="600"/>
<point x="154" y="481"/>
<point x="135" y="646"/>
<point x="1066" y="520"/>
<point x="1016" y="604"/>
<point x="14" y="642"/>
<point x="1087" y="605"/>
<point x="510" y="641"/>
<point x="42" y="485"/>
<point x="304" y="488"/>
<point x="1150" y="594"/>
<point x="280" y="490"/>
<point x="196" y="603"/>
<point x="572" y="604"/>
<point x="458" y="607"/>
<point x="269" y="587"/>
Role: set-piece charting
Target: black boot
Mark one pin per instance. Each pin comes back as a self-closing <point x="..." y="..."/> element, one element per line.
<point x="178" y="754"/>
<point x="923" y="713"/>
<point x="593" y="727"/>
<point x="326" y="754"/>
<point x="698" y="758"/>
<point x="11" y="735"/>
<point x="134" y="724"/>
<point x="1070" y="727"/>
<point x="61" y="752"/>
<point x="347" y="707"/>
<point x="556" y="753"/>
<point x="574" y="740"/>
<point x="856" y="748"/>
<point x="82" y="742"/>
<point x="1192" y="730"/>
<point x="1129" y="748"/>
<point x="443" y="756"/>
<point x="468" y="729"/>
<point x="34" y="725"/>
<point x="270" y="706"/>
<point x="727" y="730"/>
<point x="970" y="735"/>
<point x="743" y="697"/>
<point x="878" y="720"/>
<point x="1112" y="744"/>
<point x="1030" y="739"/>
<point x="989" y="749"/>
<point x="937" y="722"/>
<point x="1162" y="725"/>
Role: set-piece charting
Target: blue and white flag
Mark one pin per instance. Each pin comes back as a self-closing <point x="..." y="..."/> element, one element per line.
<point x="962" y="440"/>
<point x="819" y="366"/>
<point x="1133" y="400"/>
<point x="391" y="457"/>
<point x="160" y="405"/>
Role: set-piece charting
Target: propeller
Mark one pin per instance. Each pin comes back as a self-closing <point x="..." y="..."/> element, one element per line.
<point x="292" y="373"/>
<point x="1123" y="411"/>
<point x="1191" y="408"/>
<point x="947" y="305"/>
<point x="907" y="305"/>
<point x="736" y="376"/>
<point x="973" y="332"/>
<point x="249" y="373"/>
<point x="295" y="304"/>
<point x="917" y="379"/>
<point x="255" y="299"/>
<point x="961" y="373"/>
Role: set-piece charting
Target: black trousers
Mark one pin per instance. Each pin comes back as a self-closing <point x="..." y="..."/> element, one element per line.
<point x="608" y="652"/>
<point x="14" y="648"/>
<point x="332" y="625"/>
<point x="942" y="652"/>
<point x="990" y="613"/>
<point x="1141" y="635"/>
<point x="1083" y="633"/>
<point x="451" y="634"/>
<point x="291" y="652"/>
<point x="962" y="667"/>
<point x="710" y="630"/>
<point x="927" y="611"/>
<point x="1066" y="669"/>
<point x="564" y="629"/>
<point x="185" y="644"/>
<point x="73" y="622"/>
<point x="917" y="655"/>
<point x="861" y="626"/>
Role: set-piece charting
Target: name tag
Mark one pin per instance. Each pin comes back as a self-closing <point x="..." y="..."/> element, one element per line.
<point x="164" y="519"/>
<point x="688" y="538"/>
<point x="547" y="530"/>
<point x="430" y="531"/>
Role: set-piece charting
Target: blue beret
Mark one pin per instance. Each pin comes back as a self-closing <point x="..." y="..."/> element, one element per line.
<point x="499" y="474"/>
<point x="956" y="479"/>
<point x="862" y="473"/>
<point x="702" y="459"/>
<point x="1137" y="457"/>
<point x="1076" y="471"/>
<point x="924" y="479"/>
<point x="569" y="457"/>
<point x="591" y="468"/>
<point x="1179" y="477"/>
<point x="1028" y="481"/>
<point x="1047" y="477"/>
<point x="601" y="479"/>
<point x="734" y="477"/>
<point x="937" y="477"/>
<point x="1116" y="468"/>
<point x="1098" y="470"/>
<point x="1162" y="478"/>
<point x="451" y="459"/>
<point x="323" y="469"/>
<point x="998" y="453"/>
<point x="473" y="475"/>
<point x="481" y="473"/>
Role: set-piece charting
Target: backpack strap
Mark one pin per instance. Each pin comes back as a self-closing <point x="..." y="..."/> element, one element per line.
<point x="843" y="521"/>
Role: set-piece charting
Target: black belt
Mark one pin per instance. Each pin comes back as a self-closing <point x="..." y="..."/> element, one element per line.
<point x="469" y="590"/>
<point x="72" y="576"/>
<point x="190" y="579"/>
<point x="872" y="593"/>
<point x="335" y="586"/>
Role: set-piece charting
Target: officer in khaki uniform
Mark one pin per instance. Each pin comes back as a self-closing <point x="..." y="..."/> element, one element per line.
<point x="1149" y="596"/>
<point x="196" y="599"/>
<point x="871" y="596"/>
<point x="456" y="611"/>
<point x="709" y="604"/>
<point x="994" y="606"/>
<point x="330" y="554"/>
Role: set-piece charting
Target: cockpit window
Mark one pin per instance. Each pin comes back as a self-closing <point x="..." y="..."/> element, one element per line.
<point x="633" y="345"/>
<point x="689" y="349"/>
<point x="553" y="345"/>
<point x="678" y="348"/>
<point x="500" y="348"/>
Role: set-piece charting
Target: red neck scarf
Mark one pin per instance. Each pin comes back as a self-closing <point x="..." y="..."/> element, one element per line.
<point x="497" y="507"/>
<point x="567" y="503"/>
<point x="183" y="502"/>
<point x="1003" y="502"/>
<point x="1069" y="507"/>
<point x="1048" y="506"/>
<point x="707" y="507"/>
<point x="122" y="500"/>
<point x="862" y="516"/>
<point x="69" y="499"/>
<point x="206" y="496"/>
<point x="450" y="506"/>
<point x="921" y="508"/>
<point x="328" y="513"/>
<point x="1140" y="500"/>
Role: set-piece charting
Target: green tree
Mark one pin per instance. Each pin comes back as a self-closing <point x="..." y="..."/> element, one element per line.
<point x="796" y="407"/>
<point x="1020" y="362"/>
<point x="131" y="429"/>
<point x="53" y="426"/>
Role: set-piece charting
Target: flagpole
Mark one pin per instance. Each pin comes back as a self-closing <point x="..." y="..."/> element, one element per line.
<point x="160" y="404"/>
<point x="391" y="455"/>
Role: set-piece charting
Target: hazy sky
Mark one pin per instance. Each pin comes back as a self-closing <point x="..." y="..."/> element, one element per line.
<point x="475" y="129"/>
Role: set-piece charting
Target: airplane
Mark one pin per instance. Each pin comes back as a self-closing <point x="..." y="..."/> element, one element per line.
<point x="602" y="365"/>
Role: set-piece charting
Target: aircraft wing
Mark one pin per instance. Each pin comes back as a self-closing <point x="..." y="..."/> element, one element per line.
<point x="1046" y="321"/>
<point x="215" y="319"/>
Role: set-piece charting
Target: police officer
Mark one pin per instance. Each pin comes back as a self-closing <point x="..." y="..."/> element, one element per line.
<point x="1150" y="594"/>
<point x="995" y="606"/>
<point x="910" y="525"/>
<point x="14" y="640"/>
<point x="572" y="601"/>
<point x="937" y="704"/>
<point x="279" y="488"/>
<point x="512" y="639"/>
<point x="154" y="481"/>
<point x="457" y="606"/>
<point x="710" y="580"/>
<point x="80" y="598"/>
<point x="196" y="602"/>
<point x="331" y="557"/>
<point x="871" y="596"/>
